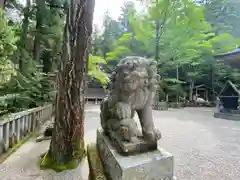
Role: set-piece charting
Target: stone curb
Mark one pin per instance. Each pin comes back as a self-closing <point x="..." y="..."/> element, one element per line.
<point x="96" y="171"/>
<point x="43" y="138"/>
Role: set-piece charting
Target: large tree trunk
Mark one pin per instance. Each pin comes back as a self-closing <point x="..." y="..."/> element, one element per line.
<point x="68" y="135"/>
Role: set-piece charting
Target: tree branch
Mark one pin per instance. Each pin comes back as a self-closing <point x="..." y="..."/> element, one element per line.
<point x="56" y="6"/>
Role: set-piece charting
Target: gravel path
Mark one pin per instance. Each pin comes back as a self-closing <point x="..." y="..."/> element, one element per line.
<point x="23" y="164"/>
<point x="205" y="148"/>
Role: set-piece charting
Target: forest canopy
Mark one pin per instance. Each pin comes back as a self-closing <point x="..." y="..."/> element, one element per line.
<point x="183" y="37"/>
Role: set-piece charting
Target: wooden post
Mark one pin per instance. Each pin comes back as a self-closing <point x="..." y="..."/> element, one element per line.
<point x="6" y="135"/>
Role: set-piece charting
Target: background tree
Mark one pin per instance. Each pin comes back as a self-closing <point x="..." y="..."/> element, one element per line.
<point x="37" y="32"/>
<point x="2" y="3"/>
<point x="183" y="43"/>
<point x="223" y="15"/>
<point x="183" y="36"/>
<point x="8" y="45"/>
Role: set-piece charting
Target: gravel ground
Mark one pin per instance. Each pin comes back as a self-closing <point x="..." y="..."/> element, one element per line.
<point x="23" y="164"/>
<point x="205" y="148"/>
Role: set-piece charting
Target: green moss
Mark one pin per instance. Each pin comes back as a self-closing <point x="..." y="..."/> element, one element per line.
<point x="46" y="162"/>
<point x="96" y="171"/>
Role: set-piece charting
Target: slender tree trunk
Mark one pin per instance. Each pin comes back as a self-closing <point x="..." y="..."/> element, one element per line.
<point x="46" y="61"/>
<point x="68" y="135"/>
<point x="49" y="61"/>
<point x="213" y="81"/>
<point x="23" y="38"/>
<point x="177" y="75"/>
<point x="2" y="3"/>
<point x="191" y="86"/>
<point x="158" y="25"/>
<point x="39" y="22"/>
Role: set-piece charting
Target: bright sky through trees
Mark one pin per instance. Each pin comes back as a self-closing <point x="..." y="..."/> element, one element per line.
<point x="101" y="6"/>
<point x="113" y="6"/>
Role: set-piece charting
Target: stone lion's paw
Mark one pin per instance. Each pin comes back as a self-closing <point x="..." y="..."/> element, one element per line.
<point x="158" y="134"/>
<point x="123" y="111"/>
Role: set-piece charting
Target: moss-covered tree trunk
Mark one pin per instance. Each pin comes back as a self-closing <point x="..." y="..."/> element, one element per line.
<point x="67" y="145"/>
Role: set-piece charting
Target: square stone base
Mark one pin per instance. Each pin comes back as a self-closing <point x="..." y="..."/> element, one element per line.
<point x="154" y="165"/>
<point x="227" y="116"/>
<point x="137" y="146"/>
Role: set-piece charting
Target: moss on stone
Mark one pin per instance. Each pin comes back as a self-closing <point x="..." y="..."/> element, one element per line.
<point x="96" y="170"/>
<point x="46" y="162"/>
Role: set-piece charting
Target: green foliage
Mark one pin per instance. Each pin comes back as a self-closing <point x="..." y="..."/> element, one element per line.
<point x="224" y="43"/>
<point x="52" y="33"/>
<point x="8" y="41"/>
<point x="190" y="35"/>
<point x="25" y="92"/>
<point x="187" y="44"/>
<point x="34" y="48"/>
<point x="21" y="78"/>
<point x="95" y="71"/>
<point x="118" y="53"/>
<point x="223" y="15"/>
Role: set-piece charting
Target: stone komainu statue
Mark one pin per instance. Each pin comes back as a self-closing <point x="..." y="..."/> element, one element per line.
<point x="132" y="90"/>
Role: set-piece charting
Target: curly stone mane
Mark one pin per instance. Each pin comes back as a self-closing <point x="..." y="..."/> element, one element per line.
<point x="137" y="71"/>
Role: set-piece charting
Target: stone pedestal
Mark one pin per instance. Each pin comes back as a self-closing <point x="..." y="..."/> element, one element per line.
<point x="153" y="165"/>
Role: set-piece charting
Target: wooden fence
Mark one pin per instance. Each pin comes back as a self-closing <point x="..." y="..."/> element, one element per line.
<point x="14" y="127"/>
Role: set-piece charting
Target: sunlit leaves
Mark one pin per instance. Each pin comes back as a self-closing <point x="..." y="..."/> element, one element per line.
<point x="187" y="44"/>
<point x="224" y="43"/>
<point x="95" y="71"/>
<point x="126" y="37"/>
<point x="8" y="41"/>
<point x="117" y="53"/>
<point x="160" y="10"/>
<point x="99" y="76"/>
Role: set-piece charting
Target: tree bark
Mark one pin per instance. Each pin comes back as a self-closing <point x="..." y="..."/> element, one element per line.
<point x="157" y="40"/>
<point x="2" y="3"/>
<point x="177" y="76"/>
<point x="38" y="30"/>
<point x="46" y="61"/>
<point x="68" y="135"/>
<point x="23" y="39"/>
<point x="191" y="86"/>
